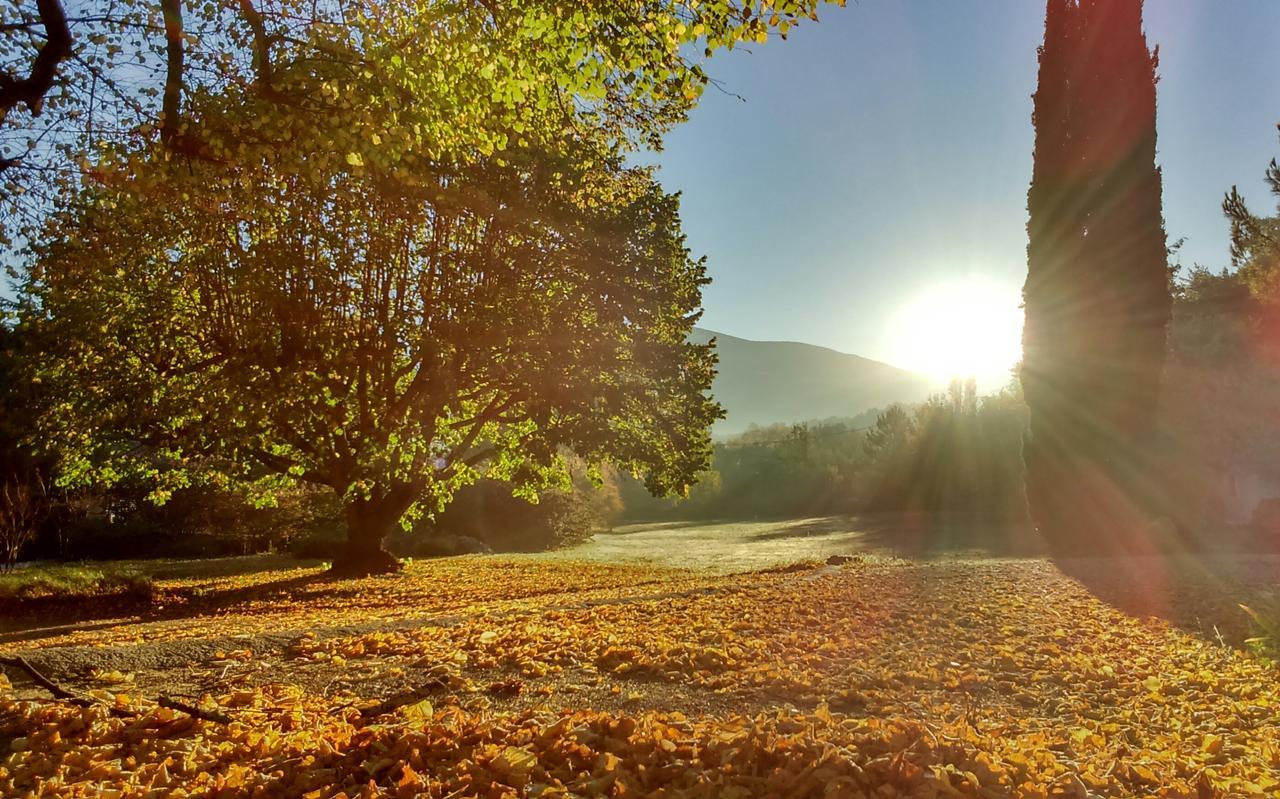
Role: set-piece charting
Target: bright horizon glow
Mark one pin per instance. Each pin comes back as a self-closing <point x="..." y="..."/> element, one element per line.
<point x="963" y="328"/>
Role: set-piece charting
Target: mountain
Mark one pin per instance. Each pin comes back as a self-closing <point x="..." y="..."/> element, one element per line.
<point x="763" y="382"/>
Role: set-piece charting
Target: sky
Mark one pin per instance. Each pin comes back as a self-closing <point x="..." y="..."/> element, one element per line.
<point x="879" y="157"/>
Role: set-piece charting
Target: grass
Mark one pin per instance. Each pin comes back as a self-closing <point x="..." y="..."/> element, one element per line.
<point x="728" y="546"/>
<point x="1265" y="614"/>
<point x="74" y="580"/>
<point x="130" y="578"/>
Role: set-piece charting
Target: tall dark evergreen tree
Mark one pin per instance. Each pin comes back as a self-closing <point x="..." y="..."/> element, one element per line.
<point x="1097" y="292"/>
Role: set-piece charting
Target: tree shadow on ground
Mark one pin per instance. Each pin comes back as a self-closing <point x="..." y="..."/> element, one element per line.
<point x="632" y="528"/>
<point x="920" y="536"/>
<point x="1195" y="591"/>
<point x="213" y="568"/>
<point x="52" y="616"/>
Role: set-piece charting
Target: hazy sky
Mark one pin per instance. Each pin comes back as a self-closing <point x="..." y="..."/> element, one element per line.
<point x="888" y="147"/>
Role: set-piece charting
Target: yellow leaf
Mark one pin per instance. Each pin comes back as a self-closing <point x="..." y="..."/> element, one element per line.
<point x="419" y="711"/>
<point x="515" y="761"/>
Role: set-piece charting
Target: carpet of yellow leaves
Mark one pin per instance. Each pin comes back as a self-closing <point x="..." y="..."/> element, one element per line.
<point x="302" y="598"/>
<point x="873" y="679"/>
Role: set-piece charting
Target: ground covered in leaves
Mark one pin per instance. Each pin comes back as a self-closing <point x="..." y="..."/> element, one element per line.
<point x="497" y="677"/>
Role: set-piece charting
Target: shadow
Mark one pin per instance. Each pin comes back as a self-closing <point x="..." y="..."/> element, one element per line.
<point x="632" y="528"/>
<point x="943" y="538"/>
<point x="809" y="528"/>
<point x="921" y="536"/>
<point x="219" y="600"/>
<point x="51" y="616"/>
<point x="1197" y="592"/>
<point x="23" y="635"/>
<point x="196" y="568"/>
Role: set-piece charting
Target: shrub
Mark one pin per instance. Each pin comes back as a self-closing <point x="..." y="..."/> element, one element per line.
<point x="321" y="544"/>
<point x="72" y="581"/>
<point x="1264" y="612"/>
<point x="21" y="510"/>
<point x="195" y="523"/>
<point x="488" y="512"/>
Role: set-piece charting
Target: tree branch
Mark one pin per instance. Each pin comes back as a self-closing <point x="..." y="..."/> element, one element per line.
<point x="261" y="48"/>
<point x="67" y="695"/>
<point x="193" y="711"/>
<point x="175" y="56"/>
<point x="282" y="465"/>
<point x="31" y="90"/>
<point x="44" y="682"/>
<point x="477" y="424"/>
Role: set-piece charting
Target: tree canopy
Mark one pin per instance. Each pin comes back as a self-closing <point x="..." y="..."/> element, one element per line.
<point x="1255" y="251"/>
<point x="359" y="81"/>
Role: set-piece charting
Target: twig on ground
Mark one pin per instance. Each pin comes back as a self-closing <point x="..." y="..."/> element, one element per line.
<point x="194" y="711"/>
<point x="44" y="682"/>
<point x="58" y="691"/>
<point x="80" y="700"/>
<point x="403" y="698"/>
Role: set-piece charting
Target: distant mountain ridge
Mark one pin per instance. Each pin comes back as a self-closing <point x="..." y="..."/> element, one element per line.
<point x="764" y="382"/>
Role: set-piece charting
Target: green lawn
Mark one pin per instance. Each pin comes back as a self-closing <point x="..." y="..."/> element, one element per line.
<point x="127" y="577"/>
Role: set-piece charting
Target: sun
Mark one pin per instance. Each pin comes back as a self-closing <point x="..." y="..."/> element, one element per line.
<point x="967" y="328"/>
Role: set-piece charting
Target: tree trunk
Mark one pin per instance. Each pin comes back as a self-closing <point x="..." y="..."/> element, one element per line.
<point x="369" y="522"/>
<point x="1082" y="504"/>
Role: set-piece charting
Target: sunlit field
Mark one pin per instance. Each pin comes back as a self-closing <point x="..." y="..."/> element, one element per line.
<point x="878" y="675"/>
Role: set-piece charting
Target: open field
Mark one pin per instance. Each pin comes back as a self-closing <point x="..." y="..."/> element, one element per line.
<point x="730" y="546"/>
<point x="565" y="675"/>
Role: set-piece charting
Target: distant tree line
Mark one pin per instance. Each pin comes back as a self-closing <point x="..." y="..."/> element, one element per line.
<point x="1222" y="395"/>
<point x="954" y="454"/>
<point x="962" y="454"/>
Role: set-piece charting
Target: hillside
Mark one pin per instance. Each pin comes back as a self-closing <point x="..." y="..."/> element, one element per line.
<point x="762" y="382"/>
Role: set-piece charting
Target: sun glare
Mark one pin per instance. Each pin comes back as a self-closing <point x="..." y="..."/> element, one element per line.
<point x="961" y="329"/>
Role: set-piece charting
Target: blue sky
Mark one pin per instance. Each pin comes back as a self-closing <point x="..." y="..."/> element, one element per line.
<point x="887" y="148"/>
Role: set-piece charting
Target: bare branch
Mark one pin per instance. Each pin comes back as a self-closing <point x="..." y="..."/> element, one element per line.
<point x="31" y="90"/>
<point x="79" y="700"/>
<point x="261" y="47"/>
<point x="174" y="55"/>
<point x="58" y="691"/>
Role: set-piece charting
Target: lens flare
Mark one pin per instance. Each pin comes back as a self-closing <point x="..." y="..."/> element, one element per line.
<point x="970" y="328"/>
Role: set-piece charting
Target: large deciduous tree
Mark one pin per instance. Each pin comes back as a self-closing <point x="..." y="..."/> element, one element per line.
<point x="386" y="248"/>
<point x="1097" y="292"/>
<point x="390" y="337"/>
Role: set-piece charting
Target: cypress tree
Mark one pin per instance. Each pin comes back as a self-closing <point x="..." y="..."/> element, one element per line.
<point x="1097" y="293"/>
